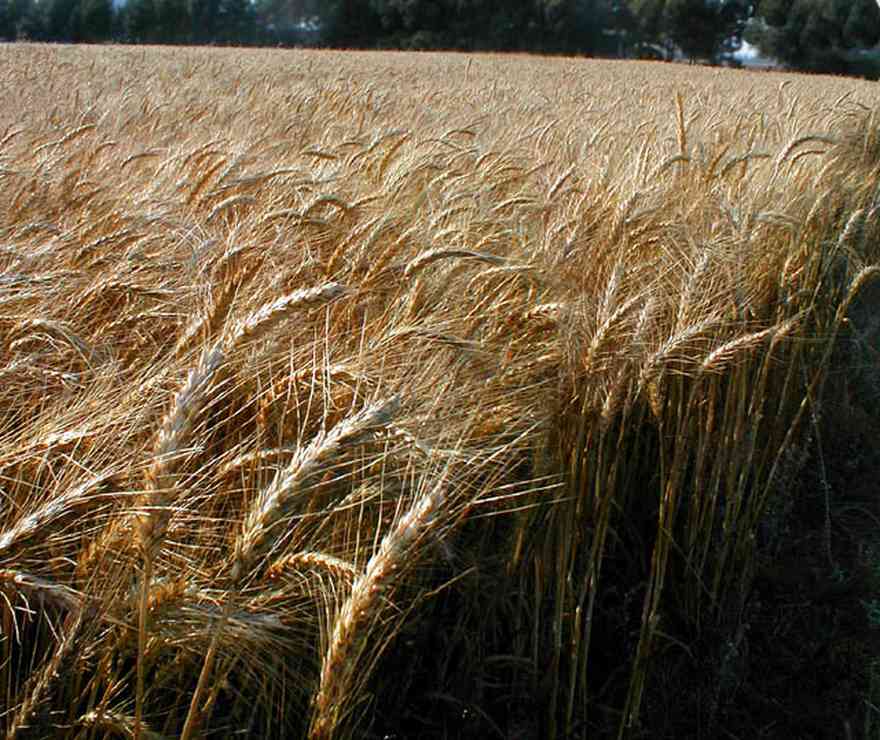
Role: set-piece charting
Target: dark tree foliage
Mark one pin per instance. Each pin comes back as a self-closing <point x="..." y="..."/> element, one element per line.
<point x="700" y="29"/>
<point x="569" y="26"/>
<point x="814" y="35"/>
<point x="288" y="22"/>
<point x="62" y="20"/>
<point x="95" y="20"/>
<point x="7" y="26"/>
<point x="649" y="35"/>
<point x="352" y="23"/>
<point x="173" y="21"/>
<point x="32" y="23"/>
<point x="862" y="27"/>
<point x="818" y="35"/>
<point x="704" y="28"/>
<point x="203" y="16"/>
<point x="693" y="26"/>
<point x="236" y="22"/>
<point x="140" y="21"/>
<point x="580" y="27"/>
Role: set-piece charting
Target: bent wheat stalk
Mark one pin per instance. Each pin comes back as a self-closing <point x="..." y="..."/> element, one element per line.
<point x="153" y="522"/>
<point x="432" y="255"/>
<point x="176" y="429"/>
<point x="350" y="631"/>
<point x="261" y="321"/>
<point x="50" y="512"/>
<point x="271" y="507"/>
<point x="274" y="502"/>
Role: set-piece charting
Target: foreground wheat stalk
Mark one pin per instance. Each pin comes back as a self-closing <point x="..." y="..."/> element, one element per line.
<point x="351" y="629"/>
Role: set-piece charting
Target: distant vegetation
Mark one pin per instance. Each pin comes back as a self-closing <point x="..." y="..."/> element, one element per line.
<point x="439" y="396"/>
<point x="810" y="35"/>
<point x="819" y="35"/>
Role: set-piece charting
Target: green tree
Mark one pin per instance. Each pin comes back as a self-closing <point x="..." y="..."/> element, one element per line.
<point x="351" y="23"/>
<point x="692" y="26"/>
<point x="140" y="21"/>
<point x="20" y="11"/>
<point x="7" y="26"/>
<point x="283" y="16"/>
<point x="581" y="26"/>
<point x="862" y="27"/>
<point x="817" y="35"/>
<point x="702" y="28"/>
<point x="512" y="26"/>
<point x="32" y="24"/>
<point x="203" y="16"/>
<point x="95" y="20"/>
<point x="62" y="20"/>
<point x="172" y="21"/>
<point x="650" y="30"/>
<point x="236" y="22"/>
<point x="464" y="24"/>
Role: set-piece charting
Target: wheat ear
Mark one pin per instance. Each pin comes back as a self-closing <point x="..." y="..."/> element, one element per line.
<point x="433" y="255"/>
<point x="274" y="502"/>
<point x="657" y="363"/>
<point x="55" y="508"/>
<point x="56" y="329"/>
<point x="267" y="513"/>
<point x="42" y="588"/>
<point x="171" y="440"/>
<point x="178" y="423"/>
<point x="351" y="628"/>
<point x="314" y="562"/>
<point x="261" y="321"/>
<point x="720" y="358"/>
<point x="176" y="429"/>
<point x="208" y="322"/>
<point x="271" y="507"/>
<point x="116" y="723"/>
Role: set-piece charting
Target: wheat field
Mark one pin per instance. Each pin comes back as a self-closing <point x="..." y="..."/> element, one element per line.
<point x="395" y="395"/>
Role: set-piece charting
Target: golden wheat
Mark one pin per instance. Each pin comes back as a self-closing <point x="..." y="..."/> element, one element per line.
<point x="335" y="406"/>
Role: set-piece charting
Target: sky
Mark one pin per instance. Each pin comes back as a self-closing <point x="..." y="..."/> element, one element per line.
<point x="751" y="57"/>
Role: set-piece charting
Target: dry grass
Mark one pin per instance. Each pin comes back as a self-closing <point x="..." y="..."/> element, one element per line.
<point x="341" y="390"/>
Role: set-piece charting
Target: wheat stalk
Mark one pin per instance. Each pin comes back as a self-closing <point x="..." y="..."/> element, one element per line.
<point x="271" y="507"/>
<point x="273" y="503"/>
<point x="160" y="483"/>
<point x="434" y="255"/>
<point x="208" y="322"/>
<point x="311" y="560"/>
<point x="350" y="634"/>
<point x="45" y="677"/>
<point x="118" y="723"/>
<point x="54" y="593"/>
<point x="55" y="508"/>
<point x="259" y="323"/>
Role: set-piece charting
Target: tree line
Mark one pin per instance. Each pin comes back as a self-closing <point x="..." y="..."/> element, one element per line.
<point x="811" y="35"/>
<point x="135" y="21"/>
<point x="832" y="36"/>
